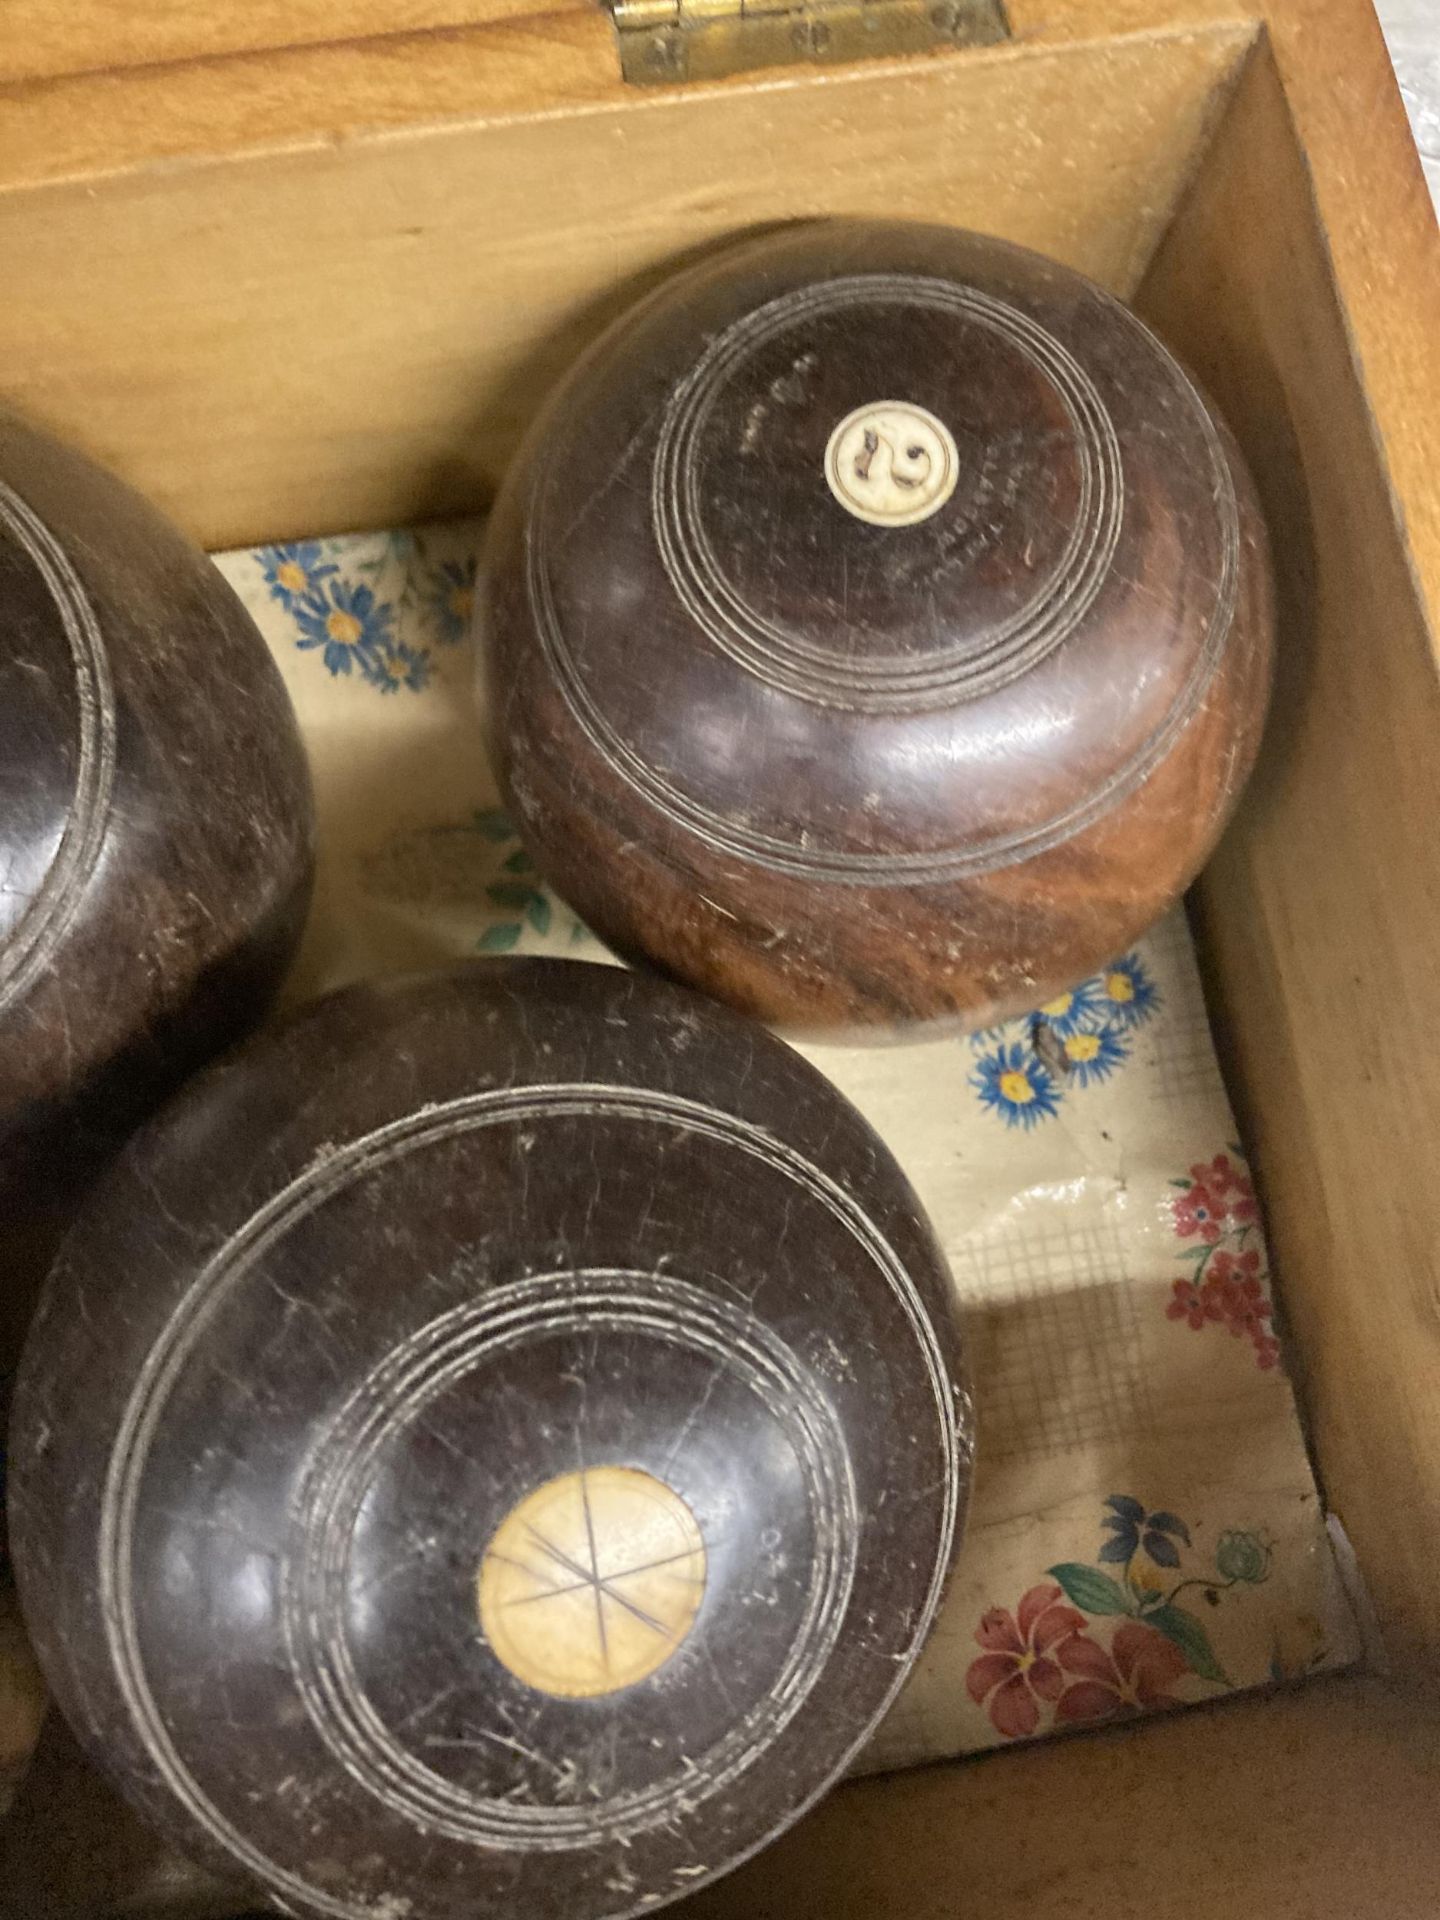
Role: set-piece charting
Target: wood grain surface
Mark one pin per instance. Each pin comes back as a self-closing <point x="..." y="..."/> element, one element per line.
<point x="1319" y="911"/>
<point x="1311" y="1802"/>
<point x="860" y="777"/>
<point x="1314" y="1802"/>
<point x="43" y="41"/>
<point x="370" y="264"/>
<point x="1412" y="33"/>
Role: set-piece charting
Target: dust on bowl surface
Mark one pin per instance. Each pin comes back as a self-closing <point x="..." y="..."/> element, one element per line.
<point x="456" y="1453"/>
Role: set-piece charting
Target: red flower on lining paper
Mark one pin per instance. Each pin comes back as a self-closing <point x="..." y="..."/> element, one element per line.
<point x="1219" y="1196"/>
<point x="1216" y="1206"/>
<point x="1225" y="1179"/>
<point x="1136" y="1672"/>
<point x="1233" y="1283"/>
<point x="1198" y="1210"/>
<point x="1193" y="1302"/>
<point x="1019" y="1667"/>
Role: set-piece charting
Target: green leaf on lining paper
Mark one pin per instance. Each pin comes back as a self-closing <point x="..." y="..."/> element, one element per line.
<point x="1192" y="1640"/>
<point x="538" y="913"/>
<point x="500" y="938"/>
<point x="1091" y="1590"/>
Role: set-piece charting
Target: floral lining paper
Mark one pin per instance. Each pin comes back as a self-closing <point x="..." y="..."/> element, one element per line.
<point x="1145" y="1530"/>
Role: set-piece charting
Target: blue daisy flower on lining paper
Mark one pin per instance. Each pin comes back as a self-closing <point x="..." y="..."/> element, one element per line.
<point x="1072" y="1012"/>
<point x="351" y="627"/>
<point x="1093" y="1054"/>
<point x="1127" y="994"/>
<point x="397" y="666"/>
<point x="454" y="600"/>
<point x="413" y="665"/>
<point x="1013" y="1082"/>
<point x="292" y="573"/>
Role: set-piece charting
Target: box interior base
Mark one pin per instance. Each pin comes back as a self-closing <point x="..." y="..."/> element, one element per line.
<point x="1312" y="1801"/>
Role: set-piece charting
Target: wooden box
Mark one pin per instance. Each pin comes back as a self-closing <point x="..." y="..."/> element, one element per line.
<point x="301" y="267"/>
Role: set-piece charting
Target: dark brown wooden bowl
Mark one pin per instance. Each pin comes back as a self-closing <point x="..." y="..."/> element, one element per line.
<point x="155" y="815"/>
<point x="876" y="628"/>
<point x="492" y="1446"/>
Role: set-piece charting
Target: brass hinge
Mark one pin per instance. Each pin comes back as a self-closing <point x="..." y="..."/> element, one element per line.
<point x="663" y="42"/>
